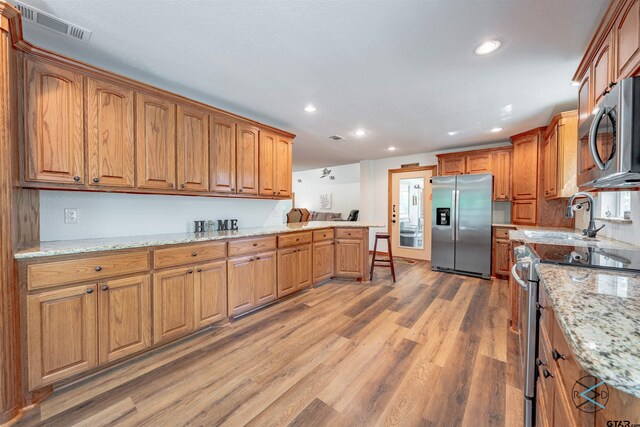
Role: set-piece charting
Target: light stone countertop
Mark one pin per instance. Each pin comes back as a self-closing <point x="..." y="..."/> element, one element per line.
<point x="599" y="314"/>
<point x="66" y="247"/>
<point x="518" y="235"/>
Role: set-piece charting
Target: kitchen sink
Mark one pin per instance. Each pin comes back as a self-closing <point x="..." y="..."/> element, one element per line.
<point x="557" y="235"/>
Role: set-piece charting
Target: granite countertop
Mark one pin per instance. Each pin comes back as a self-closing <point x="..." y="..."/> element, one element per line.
<point x="599" y="314"/>
<point x="66" y="247"/>
<point x="519" y="235"/>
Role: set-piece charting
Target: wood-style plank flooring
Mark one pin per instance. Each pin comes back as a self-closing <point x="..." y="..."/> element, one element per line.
<point x="433" y="349"/>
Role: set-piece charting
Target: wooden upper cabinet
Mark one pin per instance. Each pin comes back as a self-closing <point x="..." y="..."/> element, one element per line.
<point x="452" y="165"/>
<point x="584" y="99"/>
<point x="173" y="312"/>
<point x="502" y="175"/>
<point x="602" y="72"/>
<point x="524" y="212"/>
<point x="61" y="334"/>
<point x="53" y="121"/>
<point x="192" y="149"/>
<point x="124" y="317"/>
<point x="223" y="154"/>
<point x="627" y="40"/>
<point x="247" y="159"/>
<point x="478" y="163"/>
<point x="267" y="153"/>
<point x="525" y="175"/>
<point x="283" y="172"/>
<point x="110" y="134"/>
<point x="156" y="142"/>
<point x="550" y="163"/>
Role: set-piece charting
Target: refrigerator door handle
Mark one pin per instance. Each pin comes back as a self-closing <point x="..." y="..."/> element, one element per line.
<point x="453" y="217"/>
<point x="457" y="211"/>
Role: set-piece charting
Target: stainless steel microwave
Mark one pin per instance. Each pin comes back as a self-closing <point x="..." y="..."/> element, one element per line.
<point x="609" y="145"/>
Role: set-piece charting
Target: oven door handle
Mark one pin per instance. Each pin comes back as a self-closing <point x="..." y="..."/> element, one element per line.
<point x="593" y="138"/>
<point x="517" y="278"/>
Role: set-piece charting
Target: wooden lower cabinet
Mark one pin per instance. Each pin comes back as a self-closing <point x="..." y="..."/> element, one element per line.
<point x="251" y="282"/>
<point x="323" y="261"/>
<point x="61" y="333"/>
<point x="294" y="269"/>
<point x="124" y="321"/>
<point x="210" y="293"/>
<point x="173" y="304"/>
<point x="349" y="258"/>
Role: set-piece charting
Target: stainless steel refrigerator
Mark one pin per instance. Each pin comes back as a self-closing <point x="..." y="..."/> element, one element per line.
<point x="462" y="210"/>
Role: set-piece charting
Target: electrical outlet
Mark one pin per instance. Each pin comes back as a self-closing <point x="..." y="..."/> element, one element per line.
<point x="71" y="216"/>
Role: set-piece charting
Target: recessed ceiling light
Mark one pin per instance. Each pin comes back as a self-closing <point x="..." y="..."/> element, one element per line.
<point x="575" y="83"/>
<point x="392" y="148"/>
<point x="359" y="132"/>
<point x="494" y="130"/>
<point x="488" y="47"/>
<point x="453" y="132"/>
<point x="310" y="108"/>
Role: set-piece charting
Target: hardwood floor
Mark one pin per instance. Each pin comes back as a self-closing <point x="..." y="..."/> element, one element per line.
<point x="431" y="350"/>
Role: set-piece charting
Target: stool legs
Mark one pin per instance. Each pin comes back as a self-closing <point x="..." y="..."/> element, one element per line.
<point x="373" y="260"/>
<point x="390" y="260"/>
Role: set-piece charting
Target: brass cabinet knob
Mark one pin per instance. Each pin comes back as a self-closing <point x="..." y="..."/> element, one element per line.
<point x="98" y="268"/>
<point x="190" y="271"/>
<point x="89" y="290"/>
<point x="96" y="180"/>
<point x="194" y="253"/>
<point x="233" y="189"/>
<point x="199" y="270"/>
<point x="105" y="287"/>
<point x="76" y="178"/>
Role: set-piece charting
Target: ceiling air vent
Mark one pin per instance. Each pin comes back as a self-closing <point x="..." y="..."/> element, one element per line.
<point x="42" y="19"/>
<point x="338" y="138"/>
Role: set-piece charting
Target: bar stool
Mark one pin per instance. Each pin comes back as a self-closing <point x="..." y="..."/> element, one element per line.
<point x="386" y="237"/>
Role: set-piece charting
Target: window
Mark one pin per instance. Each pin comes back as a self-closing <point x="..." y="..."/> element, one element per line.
<point x="615" y="205"/>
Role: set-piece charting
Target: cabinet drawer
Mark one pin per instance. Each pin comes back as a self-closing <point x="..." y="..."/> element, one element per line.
<point x="288" y="240"/>
<point x="90" y="268"/>
<point x="249" y="246"/>
<point x="349" y="233"/>
<point x="322" y="235"/>
<point x="180" y="255"/>
<point x="501" y="233"/>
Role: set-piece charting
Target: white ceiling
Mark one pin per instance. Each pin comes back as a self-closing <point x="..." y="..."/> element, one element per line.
<point x="404" y="70"/>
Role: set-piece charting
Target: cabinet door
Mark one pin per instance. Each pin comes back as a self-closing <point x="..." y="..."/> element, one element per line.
<point x="193" y="149"/>
<point x="210" y="293"/>
<point x="525" y="176"/>
<point x="550" y="162"/>
<point x="266" y="288"/>
<point x="124" y="317"/>
<point x="282" y="173"/>
<point x="584" y="99"/>
<point x="523" y="212"/>
<point x="323" y="255"/>
<point x="61" y="334"/>
<point x="156" y="143"/>
<point x="502" y="176"/>
<point x="452" y="166"/>
<point x="287" y="271"/>
<point x="172" y="304"/>
<point x="247" y="159"/>
<point x="627" y="41"/>
<point x="304" y="275"/>
<point x="501" y="248"/>
<point x="110" y="140"/>
<point x="240" y="284"/>
<point x="349" y="258"/>
<point x="479" y="163"/>
<point x="223" y="154"/>
<point x="54" y="150"/>
<point x="602" y="73"/>
<point x="267" y="152"/>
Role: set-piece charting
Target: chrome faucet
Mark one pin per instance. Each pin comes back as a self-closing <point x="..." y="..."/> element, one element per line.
<point x="591" y="230"/>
